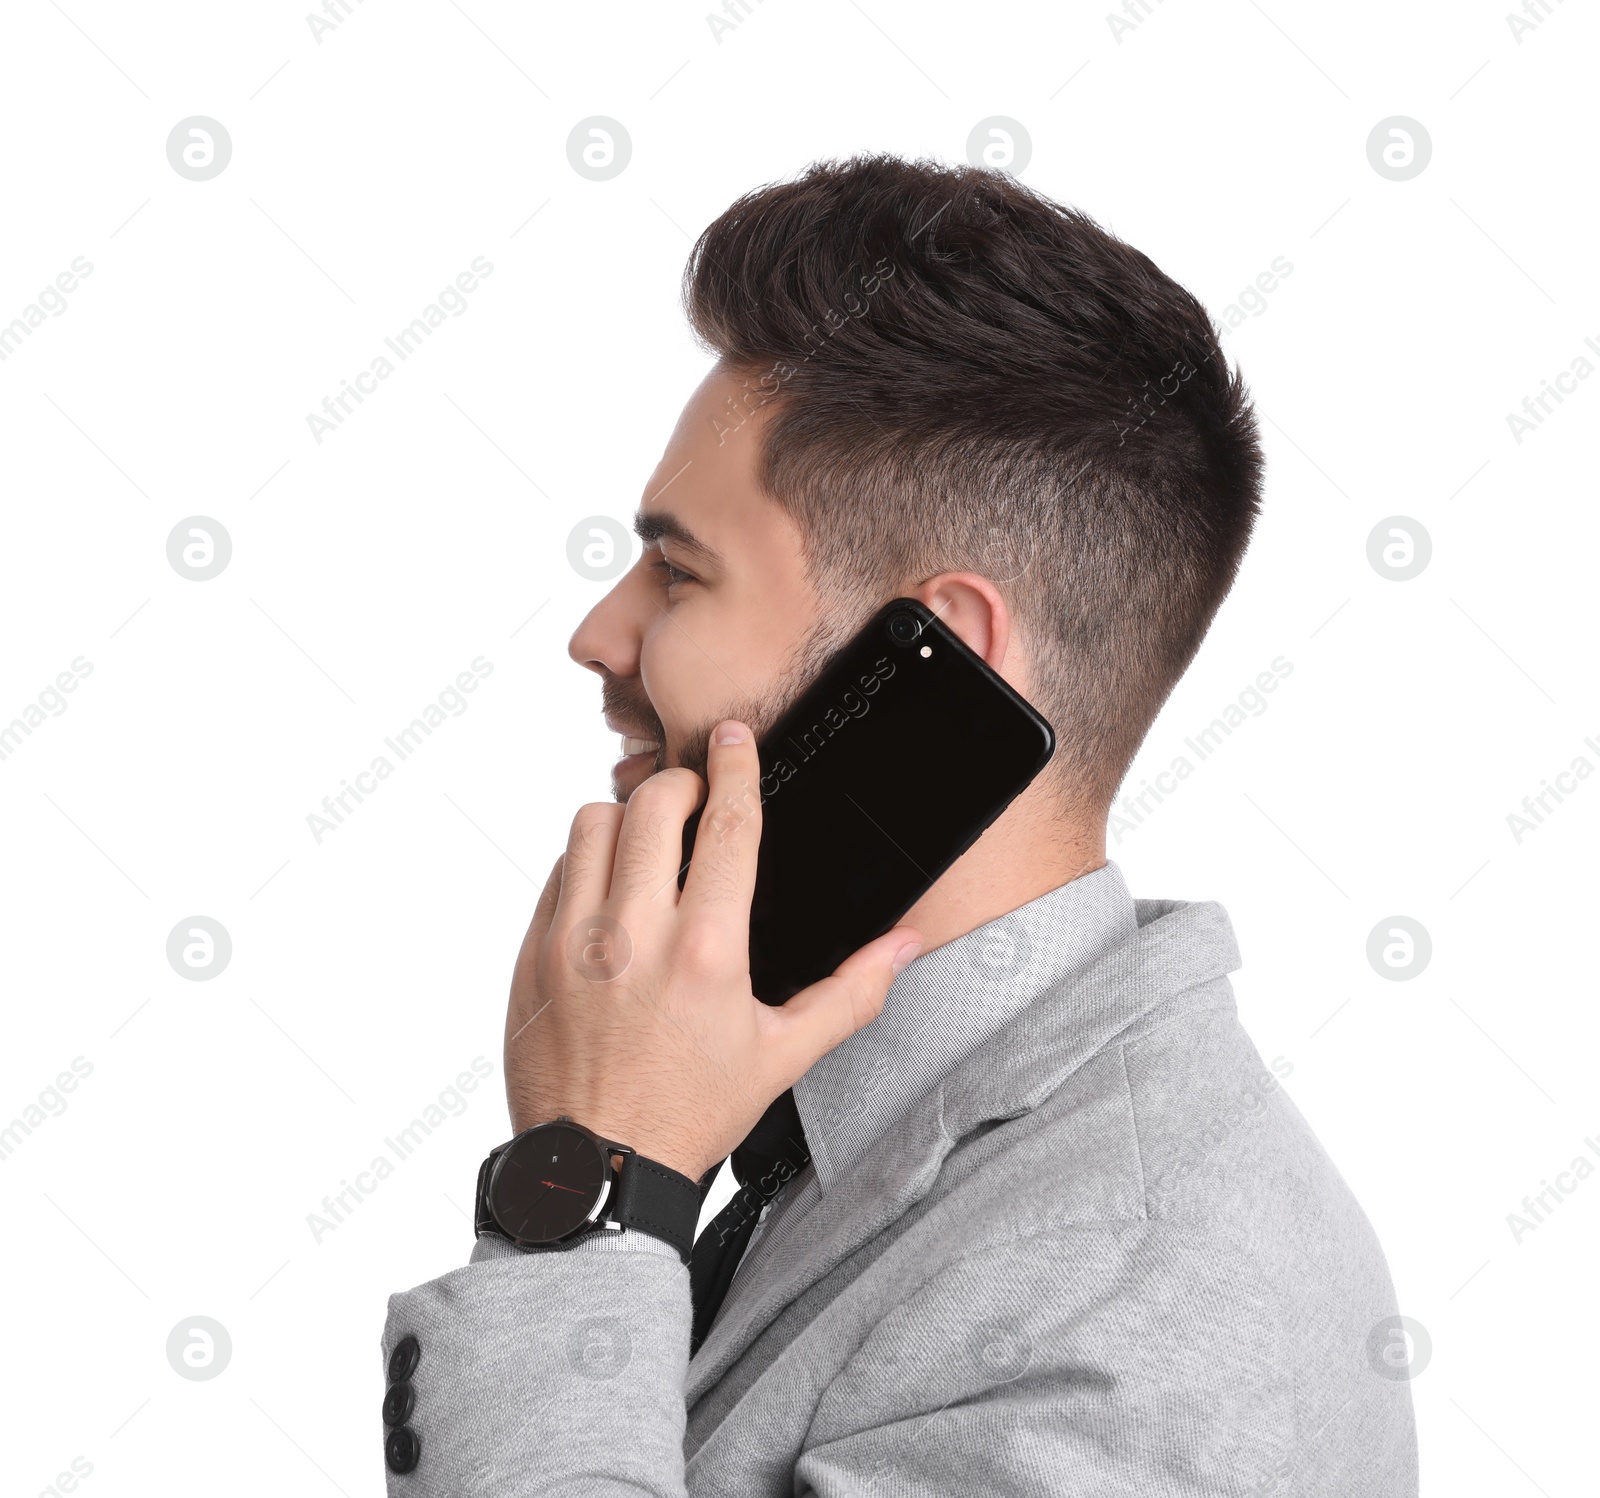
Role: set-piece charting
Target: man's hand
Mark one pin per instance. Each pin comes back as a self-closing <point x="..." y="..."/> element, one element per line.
<point x="631" y="1009"/>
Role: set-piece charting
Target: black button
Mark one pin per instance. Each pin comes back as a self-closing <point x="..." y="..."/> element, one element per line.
<point x="404" y="1359"/>
<point x="398" y="1403"/>
<point x="402" y="1448"/>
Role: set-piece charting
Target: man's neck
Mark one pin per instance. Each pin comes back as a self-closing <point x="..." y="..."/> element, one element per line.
<point x="1033" y="848"/>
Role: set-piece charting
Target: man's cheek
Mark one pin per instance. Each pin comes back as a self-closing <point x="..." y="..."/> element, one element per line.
<point x="688" y="695"/>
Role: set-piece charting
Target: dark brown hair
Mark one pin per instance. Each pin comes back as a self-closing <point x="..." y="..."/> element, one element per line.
<point x="969" y="376"/>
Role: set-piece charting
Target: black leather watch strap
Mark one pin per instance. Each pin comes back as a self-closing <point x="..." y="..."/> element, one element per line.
<point x="653" y="1199"/>
<point x="482" y="1218"/>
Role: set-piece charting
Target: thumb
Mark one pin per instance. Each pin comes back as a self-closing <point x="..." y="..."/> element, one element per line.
<point x="818" y="1018"/>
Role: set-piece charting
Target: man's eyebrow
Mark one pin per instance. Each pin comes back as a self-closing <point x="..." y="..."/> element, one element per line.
<point x="664" y="526"/>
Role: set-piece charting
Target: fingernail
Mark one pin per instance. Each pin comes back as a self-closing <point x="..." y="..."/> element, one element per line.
<point x="904" y="957"/>
<point x="731" y="733"/>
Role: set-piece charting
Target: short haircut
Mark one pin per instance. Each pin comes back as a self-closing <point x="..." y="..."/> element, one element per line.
<point x="969" y="376"/>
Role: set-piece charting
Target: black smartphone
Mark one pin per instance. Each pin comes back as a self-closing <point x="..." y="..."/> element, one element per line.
<point x="883" y="773"/>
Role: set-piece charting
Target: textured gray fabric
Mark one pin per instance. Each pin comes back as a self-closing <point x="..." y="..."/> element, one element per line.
<point x="938" y="1011"/>
<point x="1099" y="1253"/>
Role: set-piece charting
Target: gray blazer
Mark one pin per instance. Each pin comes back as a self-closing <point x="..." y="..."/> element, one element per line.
<point x="1104" y="1254"/>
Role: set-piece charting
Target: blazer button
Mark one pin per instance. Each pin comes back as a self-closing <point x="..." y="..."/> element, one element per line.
<point x="402" y="1448"/>
<point x="398" y="1403"/>
<point x="404" y="1359"/>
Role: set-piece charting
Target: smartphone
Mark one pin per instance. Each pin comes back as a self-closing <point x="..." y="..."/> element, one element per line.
<point x="879" y="777"/>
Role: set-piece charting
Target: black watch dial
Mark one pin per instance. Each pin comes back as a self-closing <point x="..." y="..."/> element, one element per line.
<point x="548" y="1183"/>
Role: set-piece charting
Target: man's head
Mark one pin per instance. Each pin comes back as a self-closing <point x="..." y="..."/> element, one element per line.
<point x="932" y="381"/>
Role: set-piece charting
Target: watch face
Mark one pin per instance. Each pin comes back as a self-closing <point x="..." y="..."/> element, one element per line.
<point x="548" y="1184"/>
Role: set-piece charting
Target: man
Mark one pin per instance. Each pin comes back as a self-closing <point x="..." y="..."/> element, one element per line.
<point x="1022" y="1210"/>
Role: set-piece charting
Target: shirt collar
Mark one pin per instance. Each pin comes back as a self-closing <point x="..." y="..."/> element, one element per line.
<point x="947" y="1004"/>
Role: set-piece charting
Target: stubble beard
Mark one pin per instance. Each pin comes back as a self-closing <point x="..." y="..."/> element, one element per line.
<point x="626" y="699"/>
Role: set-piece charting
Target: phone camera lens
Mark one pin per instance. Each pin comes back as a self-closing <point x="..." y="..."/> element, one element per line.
<point x="904" y="629"/>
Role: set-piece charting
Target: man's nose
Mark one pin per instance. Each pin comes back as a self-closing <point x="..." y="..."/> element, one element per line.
<point x="610" y="635"/>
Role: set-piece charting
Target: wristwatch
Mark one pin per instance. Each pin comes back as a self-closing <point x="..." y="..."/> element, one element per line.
<point x="553" y="1184"/>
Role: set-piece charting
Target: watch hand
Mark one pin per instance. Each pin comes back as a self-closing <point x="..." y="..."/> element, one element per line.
<point x="556" y="1187"/>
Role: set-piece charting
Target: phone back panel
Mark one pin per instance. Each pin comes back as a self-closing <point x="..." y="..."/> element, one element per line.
<point x="882" y="774"/>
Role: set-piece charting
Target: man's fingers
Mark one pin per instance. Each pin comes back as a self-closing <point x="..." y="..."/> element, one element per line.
<point x="650" y="845"/>
<point x="722" y="875"/>
<point x="544" y="911"/>
<point x="586" y="867"/>
<point x="524" y="982"/>
<point x="818" y="1018"/>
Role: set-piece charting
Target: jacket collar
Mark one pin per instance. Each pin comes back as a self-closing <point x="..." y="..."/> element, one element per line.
<point x="1178" y="948"/>
<point x="946" y="1005"/>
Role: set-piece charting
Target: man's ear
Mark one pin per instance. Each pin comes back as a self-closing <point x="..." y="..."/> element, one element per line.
<point x="971" y="606"/>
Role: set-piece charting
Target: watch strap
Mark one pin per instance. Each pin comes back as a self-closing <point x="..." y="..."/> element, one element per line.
<point x="653" y="1199"/>
<point x="482" y="1218"/>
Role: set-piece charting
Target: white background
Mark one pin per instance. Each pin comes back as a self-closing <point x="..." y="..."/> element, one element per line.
<point x="368" y="170"/>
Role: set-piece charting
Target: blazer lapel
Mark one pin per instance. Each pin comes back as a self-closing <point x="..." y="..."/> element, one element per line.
<point x="1179" y="945"/>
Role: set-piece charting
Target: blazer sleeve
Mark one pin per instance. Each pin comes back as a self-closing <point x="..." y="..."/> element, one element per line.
<point x="535" y="1373"/>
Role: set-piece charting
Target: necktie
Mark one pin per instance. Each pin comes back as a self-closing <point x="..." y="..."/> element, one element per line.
<point x="773" y="1152"/>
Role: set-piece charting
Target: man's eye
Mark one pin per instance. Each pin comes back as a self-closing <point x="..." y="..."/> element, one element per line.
<point x="670" y="573"/>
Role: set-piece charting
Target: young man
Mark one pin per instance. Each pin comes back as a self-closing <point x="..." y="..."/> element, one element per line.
<point x="1022" y="1210"/>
